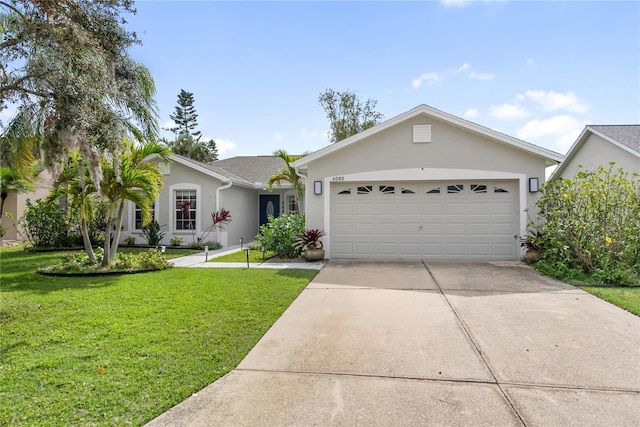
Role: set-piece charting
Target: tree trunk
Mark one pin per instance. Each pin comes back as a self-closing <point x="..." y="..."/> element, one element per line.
<point x="107" y="240"/>
<point x="116" y="235"/>
<point x="84" y="229"/>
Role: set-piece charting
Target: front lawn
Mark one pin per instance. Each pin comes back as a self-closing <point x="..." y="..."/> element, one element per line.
<point x="121" y="350"/>
<point x="241" y="256"/>
<point x="623" y="296"/>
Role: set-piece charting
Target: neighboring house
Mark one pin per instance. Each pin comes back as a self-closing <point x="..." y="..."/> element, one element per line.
<point x="424" y="184"/>
<point x="236" y="184"/>
<point x="16" y="204"/>
<point x="598" y="145"/>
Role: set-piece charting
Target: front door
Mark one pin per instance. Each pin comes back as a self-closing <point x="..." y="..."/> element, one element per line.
<point x="269" y="206"/>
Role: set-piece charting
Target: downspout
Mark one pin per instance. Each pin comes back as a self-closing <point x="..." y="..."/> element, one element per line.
<point x="302" y="207"/>
<point x="218" y="190"/>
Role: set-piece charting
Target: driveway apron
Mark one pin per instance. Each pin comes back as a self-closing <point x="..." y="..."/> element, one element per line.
<point x="432" y="343"/>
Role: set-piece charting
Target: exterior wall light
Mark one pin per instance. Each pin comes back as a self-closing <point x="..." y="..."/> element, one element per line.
<point x="317" y="188"/>
<point x="534" y="185"/>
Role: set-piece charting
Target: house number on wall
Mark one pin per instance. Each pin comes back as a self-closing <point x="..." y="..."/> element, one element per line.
<point x="337" y="178"/>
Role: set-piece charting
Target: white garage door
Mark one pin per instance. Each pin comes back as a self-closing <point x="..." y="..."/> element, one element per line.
<point x="448" y="220"/>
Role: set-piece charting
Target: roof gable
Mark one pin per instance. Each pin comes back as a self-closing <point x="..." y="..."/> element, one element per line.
<point x="626" y="137"/>
<point x="551" y="157"/>
<point x="245" y="171"/>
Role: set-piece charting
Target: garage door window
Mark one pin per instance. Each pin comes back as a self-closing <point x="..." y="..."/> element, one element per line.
<point x="407" y="191"/>
<point x="434" y="191"/>
<point x="365" y="189"/>
<point x="387" y="189"/>
<point x="478" y="188"/>
<point x="499" y="190"/>
<point x="343" y="192"/>
<point x="455" y="189"/>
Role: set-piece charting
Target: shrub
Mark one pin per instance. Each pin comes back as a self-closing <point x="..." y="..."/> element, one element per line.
<point x="213" y="245"/>
<point x="152" y="233"/>
<point x="3" y="230"/>
<point x="131" y="240"/>
<point x="79" y="262"/>
<point x="175" y="241"/>
<point x="592" y="223"/>
<point x="280" y="235"/>
<point x="46" y="226"/>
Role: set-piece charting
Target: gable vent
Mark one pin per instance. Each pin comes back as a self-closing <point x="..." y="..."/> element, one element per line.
<point x="421" y="133"/>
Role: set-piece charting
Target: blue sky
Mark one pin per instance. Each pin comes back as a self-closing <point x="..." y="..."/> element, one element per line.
<point x="539" y="71"/>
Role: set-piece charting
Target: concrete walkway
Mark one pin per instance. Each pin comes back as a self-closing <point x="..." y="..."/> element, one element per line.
<point x="200" y="260"/>
<point x="435" y="343"/>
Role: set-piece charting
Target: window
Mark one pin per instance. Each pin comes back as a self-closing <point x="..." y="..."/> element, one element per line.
<point x="435" y="190"/>
<point x="499" y="190"/>
<point x="454" y="189"/>
<point x="478" y="188"/>
<point x="365" y="189"/>
<point x="292" y="206"/>
<point x="387" y="189"/>
<point x="407" y="191"/>
<point x="183" y="199"/>
<point x="138" y="216"/>
<point x="347" y="191"/>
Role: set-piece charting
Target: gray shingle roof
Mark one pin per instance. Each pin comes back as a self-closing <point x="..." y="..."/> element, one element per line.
<point x="628" y="135"/>
<point x="252" y="169"/>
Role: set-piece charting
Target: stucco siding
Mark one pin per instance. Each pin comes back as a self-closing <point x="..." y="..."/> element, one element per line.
<point x="595" y="152"/>
<point x="243" y="205"/>
<point x="16" y="203"/>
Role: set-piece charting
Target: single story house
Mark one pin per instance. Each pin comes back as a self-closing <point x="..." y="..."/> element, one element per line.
<point x="598" y="145"/>
<point x="16" y="204"/>
<point x="236" y="184"/>
<point x="424" y="184"/>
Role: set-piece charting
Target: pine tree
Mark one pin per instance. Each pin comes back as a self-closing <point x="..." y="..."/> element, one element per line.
<point x="185" y="116"/>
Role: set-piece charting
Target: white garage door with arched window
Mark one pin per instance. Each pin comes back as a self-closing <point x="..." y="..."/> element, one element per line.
<point x="453" y="219"/>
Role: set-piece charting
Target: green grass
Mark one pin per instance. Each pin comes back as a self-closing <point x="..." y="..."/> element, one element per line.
<point x="624" y="297"/>
<point x="120" y="350"/>
<point x="241" y="256"/>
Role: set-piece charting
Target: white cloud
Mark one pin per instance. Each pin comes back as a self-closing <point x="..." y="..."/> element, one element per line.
<point x="464" y="66"/>
<point x="530" y="61"/>
<point x="429" y="78"/>
<point x="508" y="112"/>
<point x="278" y="136"/>
<point x="561" y="126"/>
<point x="169" y="124"/>
<point x="224" y="145"/>
<point x="455" y="3"/>
<point x="481" y="76"/>
<point x="471" y="113"/>
<point x="553" y="101"/>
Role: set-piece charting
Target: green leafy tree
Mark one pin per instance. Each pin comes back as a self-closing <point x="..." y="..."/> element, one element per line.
<point x="288" y="174"/>
<point x="347" y="114"/>
<point x="195" y="149"/>
<point x="77" y="188"/>
<point x="130" y="178"/>
<point x="69" y="59"/>
<point x="185" y="116"/>
<point x="592" y="224"/>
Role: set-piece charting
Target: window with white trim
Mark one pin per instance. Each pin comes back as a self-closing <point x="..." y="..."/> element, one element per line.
<point x="292" y="206"/>
<point x="184" y="220"/>
<point x="137" y="216"/>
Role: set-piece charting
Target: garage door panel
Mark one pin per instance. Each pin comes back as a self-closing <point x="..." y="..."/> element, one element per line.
<point x="466" y="219"/>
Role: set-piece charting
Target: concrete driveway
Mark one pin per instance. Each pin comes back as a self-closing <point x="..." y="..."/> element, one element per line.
<point x="432" y="343"/>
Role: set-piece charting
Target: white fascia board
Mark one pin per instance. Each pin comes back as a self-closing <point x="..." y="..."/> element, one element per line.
<point x="550" y="156"/>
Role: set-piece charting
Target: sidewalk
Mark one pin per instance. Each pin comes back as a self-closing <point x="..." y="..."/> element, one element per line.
<point x="200" y="261"/>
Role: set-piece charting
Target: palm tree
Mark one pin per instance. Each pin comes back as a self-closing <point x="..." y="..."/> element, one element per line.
<point x="75" y="182"/>
<point x="12" y="180"/>
<point x="132" y="179"/>
<point x="288" y="174"/>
